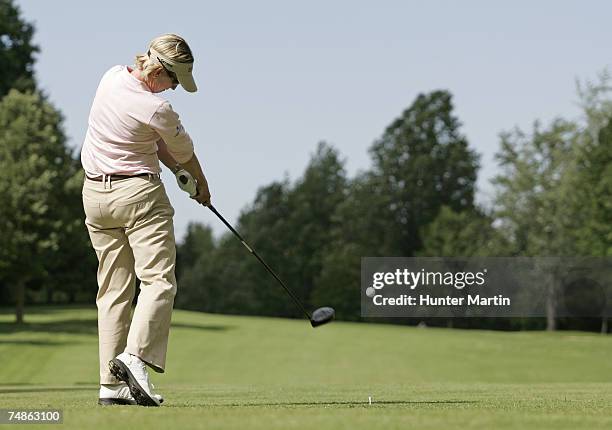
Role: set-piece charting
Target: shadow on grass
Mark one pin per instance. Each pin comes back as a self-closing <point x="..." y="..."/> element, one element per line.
<point x="211" y="327"/>
<point x="39" y="389"/>
<point x="35" y="342"/>
<point x="47" y="310"/>
<point x="71" y="326"/>
<point x="81" y="326"/>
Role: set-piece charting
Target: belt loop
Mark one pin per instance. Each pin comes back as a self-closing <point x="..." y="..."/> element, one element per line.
<point x="104" y="180"/>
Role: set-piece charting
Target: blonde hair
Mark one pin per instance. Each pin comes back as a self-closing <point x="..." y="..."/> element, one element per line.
<point x="171" y="46"/>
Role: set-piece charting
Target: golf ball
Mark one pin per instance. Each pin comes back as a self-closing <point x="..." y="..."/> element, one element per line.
<point x="370" y="291"/>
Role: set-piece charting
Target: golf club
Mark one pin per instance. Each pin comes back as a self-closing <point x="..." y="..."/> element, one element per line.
<point x="319" y="317"/>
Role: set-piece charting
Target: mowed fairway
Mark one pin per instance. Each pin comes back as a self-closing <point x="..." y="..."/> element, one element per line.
<point x="227" y="372"/>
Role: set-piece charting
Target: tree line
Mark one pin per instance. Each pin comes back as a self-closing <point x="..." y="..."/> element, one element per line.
<point x="552" y="195"/>
<point x="551" y="198"/>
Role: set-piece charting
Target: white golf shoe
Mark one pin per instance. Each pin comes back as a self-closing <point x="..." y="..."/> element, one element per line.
<point x="119" y="394"/>
<point x="133" y="371"/>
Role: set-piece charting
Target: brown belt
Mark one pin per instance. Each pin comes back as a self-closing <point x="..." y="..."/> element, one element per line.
<point x="120" y="177"/>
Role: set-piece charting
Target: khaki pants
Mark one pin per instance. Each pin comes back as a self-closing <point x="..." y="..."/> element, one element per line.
<point x="130" y="226"/>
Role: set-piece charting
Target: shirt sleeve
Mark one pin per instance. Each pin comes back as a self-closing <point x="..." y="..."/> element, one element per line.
<point x="168" y="125"/>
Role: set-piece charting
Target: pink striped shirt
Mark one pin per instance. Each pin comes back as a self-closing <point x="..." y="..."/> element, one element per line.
<point x="125" y="122"/>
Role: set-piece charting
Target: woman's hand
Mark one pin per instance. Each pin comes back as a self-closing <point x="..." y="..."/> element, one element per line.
<point x="194" y="168"/>
<point x="203" y="196"/>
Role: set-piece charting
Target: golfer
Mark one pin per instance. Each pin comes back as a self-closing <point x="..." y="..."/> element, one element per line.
<point x="129" y="217"/>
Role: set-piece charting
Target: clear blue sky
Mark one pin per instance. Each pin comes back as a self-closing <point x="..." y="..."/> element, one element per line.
<point x="276" y="77"/>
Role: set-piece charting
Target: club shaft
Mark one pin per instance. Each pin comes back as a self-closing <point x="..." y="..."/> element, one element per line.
<point x="268" y="268"/>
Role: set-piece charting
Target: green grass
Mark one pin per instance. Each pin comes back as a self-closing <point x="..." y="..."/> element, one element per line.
<point x="227" y="372"/>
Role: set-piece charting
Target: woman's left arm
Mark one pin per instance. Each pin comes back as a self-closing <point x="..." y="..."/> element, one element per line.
<point x="164" y="156"/>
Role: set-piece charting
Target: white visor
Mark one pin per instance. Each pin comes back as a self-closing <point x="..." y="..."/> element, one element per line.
<point x="181" y="70"/>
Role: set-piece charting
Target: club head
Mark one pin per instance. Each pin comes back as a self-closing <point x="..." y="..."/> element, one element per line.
<point x="322" y="316"/>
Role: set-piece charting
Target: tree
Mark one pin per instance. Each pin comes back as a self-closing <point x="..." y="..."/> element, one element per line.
<point x="289" y="227"/>
<point x="197" y="273"/>
<point x="535" y="197"/>
<point x="420" y="164"/>
<point x="593" y="188"/>
<point x="592" y="203"/>
<point x="70" y="265"/>
<point x="359" y="229"/>
<point x="16" y="50"/>
<point x="37" y="184"/>
<point x="220" y="276"/>
<point x="594" y="99"/>
<point x="469" y="233"/>
<point x="535" y="188"/>
<point x="199" y="241"/>
<point x="264" y="225"/>
<point x="423" y="162"/>
<point x="313" y="201"/>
